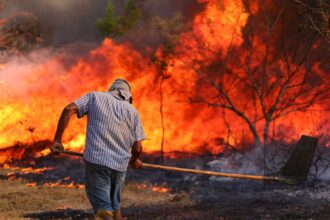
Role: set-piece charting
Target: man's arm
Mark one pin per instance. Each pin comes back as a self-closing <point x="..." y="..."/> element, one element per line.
<point x="63" y="122"/>
<point x="136" y="153"/>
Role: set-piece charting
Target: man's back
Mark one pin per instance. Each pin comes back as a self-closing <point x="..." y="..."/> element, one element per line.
<point x="112" y="127"/>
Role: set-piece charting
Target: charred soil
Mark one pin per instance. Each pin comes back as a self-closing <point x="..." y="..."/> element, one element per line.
<point x="57" y="193"/>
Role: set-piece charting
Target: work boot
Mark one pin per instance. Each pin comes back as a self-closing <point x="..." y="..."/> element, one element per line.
<point x="117" y="215"/>
<point x="104" y="215"/>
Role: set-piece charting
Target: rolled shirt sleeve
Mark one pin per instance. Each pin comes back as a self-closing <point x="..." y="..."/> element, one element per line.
<point x="138" y="129"/>
<point x="83" y="105"/>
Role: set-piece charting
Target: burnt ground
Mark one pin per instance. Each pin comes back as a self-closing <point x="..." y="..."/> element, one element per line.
<point x="190" y="196"/>
<point x="243" y="205"/>
<point x="243" y="200"/>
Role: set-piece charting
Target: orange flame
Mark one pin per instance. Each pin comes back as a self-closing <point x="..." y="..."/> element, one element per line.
<point x="34" y="93"/>
<point x="33" y="184"/>
<point x="160" y="189"/>
<point x="155" y="188"/>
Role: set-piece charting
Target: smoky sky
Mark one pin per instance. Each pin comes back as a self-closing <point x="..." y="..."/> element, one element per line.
<point x="75" y="20"/>
<point x="69" y="20"/>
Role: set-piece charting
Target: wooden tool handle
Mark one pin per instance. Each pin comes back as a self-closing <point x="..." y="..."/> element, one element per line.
<point x="73" y="153"/>
<point x="185" y="170"/>
<point x="210" y="173"/>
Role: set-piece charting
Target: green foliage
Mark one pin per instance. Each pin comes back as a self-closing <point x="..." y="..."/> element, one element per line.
<point x="113" y="26"/>
<point x="169" y="30"/>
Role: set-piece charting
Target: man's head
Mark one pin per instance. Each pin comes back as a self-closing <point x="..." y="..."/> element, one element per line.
<point x="121" y="89"/>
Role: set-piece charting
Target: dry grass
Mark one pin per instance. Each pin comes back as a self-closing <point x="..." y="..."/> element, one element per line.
<point x="17" y="199"/>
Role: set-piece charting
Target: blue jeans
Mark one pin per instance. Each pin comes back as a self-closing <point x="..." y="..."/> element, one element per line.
<point x="103" y="186"/>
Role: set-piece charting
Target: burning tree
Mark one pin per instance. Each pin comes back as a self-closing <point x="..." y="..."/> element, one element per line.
<point x="21" y="32"/>
<point x="169" y="30"/>
<point x="265" y="72"/>
<point x="316" y="16"/>
<point x="245" y="60"/>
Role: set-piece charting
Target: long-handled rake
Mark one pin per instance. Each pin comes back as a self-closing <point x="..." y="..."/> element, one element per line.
<point x="293" y="172"/>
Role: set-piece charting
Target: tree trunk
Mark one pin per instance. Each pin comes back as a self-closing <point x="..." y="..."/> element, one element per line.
<point x="162" y="120"/>
<point x="266" y="141"/>
<point x="256" y="138"/>
<point x="257" y="141"/>
<point x="266" y="132"/>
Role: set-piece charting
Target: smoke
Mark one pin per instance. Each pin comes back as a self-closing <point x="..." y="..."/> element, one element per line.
<point x="145" y="35"/>
<point x="75" y="20"/>
<point x="70" y="20"/>
<point x="23" y="76"/>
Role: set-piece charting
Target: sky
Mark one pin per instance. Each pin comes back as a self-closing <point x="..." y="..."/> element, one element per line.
<point x="74" y="20"/>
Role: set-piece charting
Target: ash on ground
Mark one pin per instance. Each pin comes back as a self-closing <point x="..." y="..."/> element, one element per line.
<point x="209" y="197"/>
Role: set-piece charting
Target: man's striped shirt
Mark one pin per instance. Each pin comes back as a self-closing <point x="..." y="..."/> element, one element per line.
<point x="113" y="126"/>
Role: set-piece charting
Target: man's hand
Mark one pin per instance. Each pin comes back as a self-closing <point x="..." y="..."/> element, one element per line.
<point x="56" y="148"/>
<point x="136" y="164"/>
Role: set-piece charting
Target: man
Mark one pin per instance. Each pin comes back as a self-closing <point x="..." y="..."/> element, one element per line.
<point x="113" y="139"/>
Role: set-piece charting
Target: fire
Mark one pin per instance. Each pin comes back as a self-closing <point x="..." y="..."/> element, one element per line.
<point x="13" y="172"/>
<point x="70" y="185"/>
<point x="57" y="184"/>
<point x="142" y="186"/>
<point x="35" y="90"/>
<point x="33" y="184"/>
<point x="155" y="188"/>
<point x="160" y="189"/>
<point x="220" y="24"/>
<point x="35" y="170"/>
